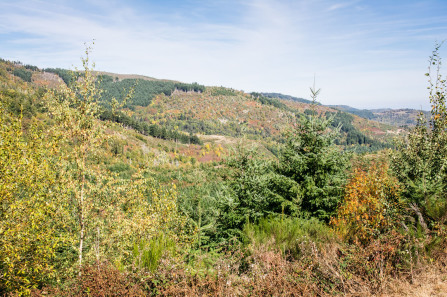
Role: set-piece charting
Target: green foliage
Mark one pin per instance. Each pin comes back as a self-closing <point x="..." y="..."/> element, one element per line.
<point x="253" y="194"/>
<point x="144" y="90"/>
<point x="350" y="135"/>
<point x="420" y="161"/>
<point x="20" y="104"/>
<point x="31" y="229"/>
<point x="66" y="75"/>
<point x="123" y="169"/>
<point x="290" y="235"/>
<point x="221" y="91"/>
<point x="312" y="161"/>
<point x="270" y="101"/>
<point x="147" y="254"/>
<point x="308" y="179"/>
<point x="23" y="74"/>
<point x="194" y="87"/>
<point x="288" y="97"/>
<point x="31" y="67"/>
<point x="146" y="129"/>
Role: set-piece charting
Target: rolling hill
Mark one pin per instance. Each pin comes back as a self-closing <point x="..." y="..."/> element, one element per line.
<point x="173" y="110"/>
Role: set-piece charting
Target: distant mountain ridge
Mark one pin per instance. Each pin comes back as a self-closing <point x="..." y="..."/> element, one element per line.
<point x="397" y="117"/>
<point x="404" y="117"/>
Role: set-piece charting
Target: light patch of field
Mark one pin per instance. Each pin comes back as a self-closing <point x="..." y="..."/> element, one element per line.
<point x="47" y="79"/>
<point x="219" y="139"/>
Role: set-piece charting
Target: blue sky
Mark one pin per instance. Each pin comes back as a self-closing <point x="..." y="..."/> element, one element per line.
<point x="367" y="54"/>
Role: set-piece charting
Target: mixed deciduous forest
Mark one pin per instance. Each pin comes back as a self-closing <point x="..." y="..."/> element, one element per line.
<point x="134" y="187"/>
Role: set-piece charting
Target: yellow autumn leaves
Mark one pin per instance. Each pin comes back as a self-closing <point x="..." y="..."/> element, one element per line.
<point x="370" y="205"/>
<point x="58" y="202"/>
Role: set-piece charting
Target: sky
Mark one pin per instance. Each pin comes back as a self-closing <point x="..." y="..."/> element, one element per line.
<point x="366" y="54"/>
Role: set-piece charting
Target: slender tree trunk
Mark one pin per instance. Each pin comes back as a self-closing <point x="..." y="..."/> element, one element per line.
<point x="82" y="225"/>
<point x="199" y="234"/>
<point x="81" y="210"/>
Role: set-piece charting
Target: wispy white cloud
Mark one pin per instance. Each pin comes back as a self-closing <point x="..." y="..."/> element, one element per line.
<point x="360" y="53"/>
<point x="340" y="5"/>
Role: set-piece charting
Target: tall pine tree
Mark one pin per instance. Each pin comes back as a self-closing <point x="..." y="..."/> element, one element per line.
<point x="312" y="160"/>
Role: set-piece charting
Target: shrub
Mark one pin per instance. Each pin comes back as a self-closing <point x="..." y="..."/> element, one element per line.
<point x="147" y="254"/>
<point x="101" y="279"/>
<point x="292" y="236"/>
<point x="371" y="205"/>
<point x="31" y="229"/>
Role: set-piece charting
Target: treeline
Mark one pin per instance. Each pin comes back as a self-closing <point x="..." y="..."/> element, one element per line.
<point x="363" y="113"/>
<point x="20" y="70"/>
<point x="66" y="75"/>
<point x="352" y="136"/>
<point x="269" y="101"/>
<point x="214" y="127"/>
<point x="23" y="74"/>
<point x="143" y="90"/>
<point x="222" y="91"/>
<point x="286" y="97"/>
<point x="146" y="129"/>
<point x="194" y="87"/>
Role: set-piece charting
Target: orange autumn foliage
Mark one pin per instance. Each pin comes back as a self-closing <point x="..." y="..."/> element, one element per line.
<point x="370" y="206"/>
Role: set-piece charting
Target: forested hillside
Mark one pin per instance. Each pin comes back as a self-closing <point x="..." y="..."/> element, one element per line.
<point x="118" y="186"/>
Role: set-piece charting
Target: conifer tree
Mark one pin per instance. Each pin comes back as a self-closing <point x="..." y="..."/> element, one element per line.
<point x="312" y="160"/>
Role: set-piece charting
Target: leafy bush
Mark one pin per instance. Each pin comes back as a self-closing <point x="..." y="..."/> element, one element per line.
<point x="290" y="235"/>
<point x="371" y="205"/>
<point x="20" y="104"/>
<point x="31" y="228"/>
<point x="147" y="254"/>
